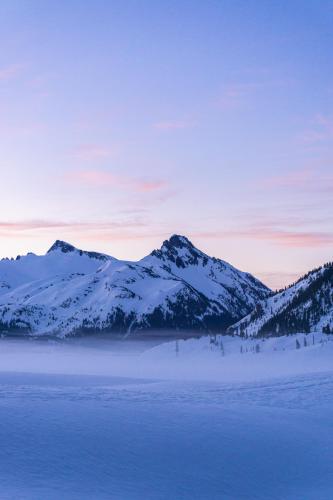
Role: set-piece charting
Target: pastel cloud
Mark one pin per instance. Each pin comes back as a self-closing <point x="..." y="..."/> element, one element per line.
<point x="15" y="228"/>
<point x="174" y="125"/>
<point x="103" y="178"/>
<point x="10" y="71"/>
<point x="321" y="130"/>
<point x="296" y="178"/>
<point x="292" y="239"/>
<point x="92" y="152"/>
<point x="234" y="94"/>
<point x="121" y="230"/>
<point x="307" y="179"/>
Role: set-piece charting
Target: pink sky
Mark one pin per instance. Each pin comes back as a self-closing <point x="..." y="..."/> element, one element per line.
<point x="119" y="129"/>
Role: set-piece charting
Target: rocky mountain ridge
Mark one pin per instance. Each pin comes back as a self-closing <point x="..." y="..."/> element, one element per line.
<point x="69" y="291"/>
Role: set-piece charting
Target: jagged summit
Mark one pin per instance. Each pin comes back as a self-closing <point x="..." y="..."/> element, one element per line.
<point x="179" y="250"/>
<point x="178" y="241"/>
<point x="69" y="291"/>
<point x="63" y="246"/>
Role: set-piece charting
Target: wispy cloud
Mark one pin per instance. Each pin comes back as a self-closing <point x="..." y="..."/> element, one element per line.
<point x="287" y="226"/>
<point x="305" y="225"/>
<point x="293" y="239"/>
<point x="297" y="178"/>
<point x="28" y="225"/>
<point x="174" y="124"/>
<point x="234" y="94"/>
<point x="84" y="229"/>
<point x="124" y="229"/>
<point x="319" y="131"/>
<point x="11" y="71"/>
<point x="92" y="152"/>
<point x="306" y="180"/>
<point x="24" y="128"/>
<point x="103" y="178"/>
<point x="288" y="238"/>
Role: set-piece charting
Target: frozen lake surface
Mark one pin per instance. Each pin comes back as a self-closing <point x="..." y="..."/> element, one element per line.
<point x="108" y="437"/>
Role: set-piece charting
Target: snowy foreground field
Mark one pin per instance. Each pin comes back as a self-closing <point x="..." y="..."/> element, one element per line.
<point x="188" y="420"/>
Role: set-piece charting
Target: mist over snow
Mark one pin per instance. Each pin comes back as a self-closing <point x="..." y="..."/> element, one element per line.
<point x="214" y="417"/>
<point x="216" y="358"/>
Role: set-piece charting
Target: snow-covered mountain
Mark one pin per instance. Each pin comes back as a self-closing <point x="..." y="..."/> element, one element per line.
<point x="305" y="306"/>
<point x="69" y="291"/>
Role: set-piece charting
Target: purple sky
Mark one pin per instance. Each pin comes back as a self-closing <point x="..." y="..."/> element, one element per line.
<point x="123" y="122"/>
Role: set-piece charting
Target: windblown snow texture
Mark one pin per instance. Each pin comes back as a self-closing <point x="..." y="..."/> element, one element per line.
<point x="157" y="426"/>
<point x="70" y="291"/>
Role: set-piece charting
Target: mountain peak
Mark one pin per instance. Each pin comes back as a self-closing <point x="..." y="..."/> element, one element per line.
<point x="63" y="246"/>
<point x="179" y="250"/>
<point x="178" y="241"/>
<point x="175" y="287"/>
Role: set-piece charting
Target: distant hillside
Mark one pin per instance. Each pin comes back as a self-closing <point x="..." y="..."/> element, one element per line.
<point x="305" y="306"/>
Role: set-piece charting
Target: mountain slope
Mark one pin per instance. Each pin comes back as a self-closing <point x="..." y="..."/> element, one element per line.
<point x="305" y="306"/>
<point x="69" y="291"/>
<point x="216" y="279"/>
<point x="61" y="259"/>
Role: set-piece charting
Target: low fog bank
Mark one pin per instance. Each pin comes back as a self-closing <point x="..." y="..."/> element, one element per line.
<point x="222" y="359"/>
